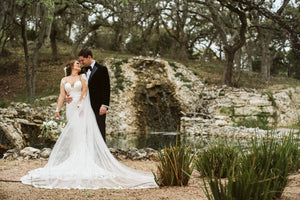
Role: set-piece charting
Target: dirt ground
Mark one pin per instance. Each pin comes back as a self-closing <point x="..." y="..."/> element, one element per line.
<point x="14" y="170"/>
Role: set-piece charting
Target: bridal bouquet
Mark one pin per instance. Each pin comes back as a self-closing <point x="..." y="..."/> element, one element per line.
<point x="52" y="128"/>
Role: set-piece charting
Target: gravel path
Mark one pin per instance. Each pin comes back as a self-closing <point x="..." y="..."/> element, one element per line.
<point x="15" y="190"/>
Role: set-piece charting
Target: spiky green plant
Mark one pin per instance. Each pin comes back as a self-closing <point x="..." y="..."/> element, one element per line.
<point x="260" y="173"/>
<point x="175" y="166"/>
<point x="216" y="160"/>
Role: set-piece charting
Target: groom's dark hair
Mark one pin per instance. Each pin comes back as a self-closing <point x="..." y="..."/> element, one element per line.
<point x="85" y="53"/>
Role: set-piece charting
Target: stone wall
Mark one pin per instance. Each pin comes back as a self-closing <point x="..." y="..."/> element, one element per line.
<point x="149" y="94"/>
<point x="155" y="95"/>
<point x="228" y="107"/>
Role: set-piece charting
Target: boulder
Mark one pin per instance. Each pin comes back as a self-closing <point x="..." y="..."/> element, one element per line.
<point x="30" y="153"/>
<point x="45" y="152"/>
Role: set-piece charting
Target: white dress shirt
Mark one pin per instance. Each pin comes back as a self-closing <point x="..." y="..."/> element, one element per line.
<point x="88" y="73"/>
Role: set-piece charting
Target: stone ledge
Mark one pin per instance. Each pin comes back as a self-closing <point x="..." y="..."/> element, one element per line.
<point x="32" y="153"/>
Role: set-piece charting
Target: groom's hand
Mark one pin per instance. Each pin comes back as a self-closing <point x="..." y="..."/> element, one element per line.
<point x="68" y="98"/>
<point x="102" y="110"/>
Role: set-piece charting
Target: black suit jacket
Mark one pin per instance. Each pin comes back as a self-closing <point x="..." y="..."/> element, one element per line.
<point x="99" y="87"/>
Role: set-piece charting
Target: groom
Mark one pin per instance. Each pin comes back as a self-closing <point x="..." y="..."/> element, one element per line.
<point x="99" y="86"/>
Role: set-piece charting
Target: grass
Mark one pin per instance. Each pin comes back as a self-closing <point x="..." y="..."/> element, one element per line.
<point x="216" y="160"/>
<point x="259" y="172"/>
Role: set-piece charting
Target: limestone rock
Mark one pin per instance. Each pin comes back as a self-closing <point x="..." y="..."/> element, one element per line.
<point x="11" y="154"/>
<point x="45" y="152"/>
<point x="30" y="152"/>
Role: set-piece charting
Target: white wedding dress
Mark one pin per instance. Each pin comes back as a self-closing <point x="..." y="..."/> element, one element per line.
<point x="80" y="158"/>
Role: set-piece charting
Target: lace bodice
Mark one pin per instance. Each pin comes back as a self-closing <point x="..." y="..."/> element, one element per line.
<point x="75" y="92"/>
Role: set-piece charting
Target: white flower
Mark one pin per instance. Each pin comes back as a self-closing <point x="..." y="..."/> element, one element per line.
<point x="51" y="127"/>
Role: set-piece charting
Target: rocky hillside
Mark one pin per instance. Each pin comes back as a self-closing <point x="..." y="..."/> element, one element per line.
<point x="155" y="95"/>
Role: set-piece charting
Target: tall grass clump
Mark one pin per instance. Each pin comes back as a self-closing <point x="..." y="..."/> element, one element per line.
<point x="216" y="160"/>
<point x="175" y="166"/>
<point x="259" y="173"/>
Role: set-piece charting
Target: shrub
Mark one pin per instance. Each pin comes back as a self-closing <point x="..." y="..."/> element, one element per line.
<point x="175" y="67"/>
<point x="271" y="97"/>
<point x="227" y="110"/>
<point x="119" y="75"/>
<point x="261" y="121"/>
<point x="260" y="173"/>
<point x="216" y="161"/>
<point x="182" y="77"/>
<point x="4" y="103"/>
<point x="175" y="166"/>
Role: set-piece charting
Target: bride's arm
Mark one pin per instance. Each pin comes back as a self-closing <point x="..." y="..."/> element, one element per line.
<point x="61" y="98"/>
<point x="84" y="88"/>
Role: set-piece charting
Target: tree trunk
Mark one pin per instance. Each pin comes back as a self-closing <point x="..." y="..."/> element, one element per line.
<point x="53" y="35"/>
<point x="227" y="75"/>
<point x="118" y="46"/>
<point x="266" y="59"/>
<point x="203" y="58"/>
<point x="26" y="54"/>
<point x="264" y="65"/>
<point x="249" y="59"/>
<point x="237" y="61"/>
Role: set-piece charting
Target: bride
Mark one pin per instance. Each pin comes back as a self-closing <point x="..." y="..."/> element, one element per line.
<point x="80" y="158"/>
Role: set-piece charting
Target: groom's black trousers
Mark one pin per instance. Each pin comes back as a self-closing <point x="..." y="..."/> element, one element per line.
<point x="101" y="124"/>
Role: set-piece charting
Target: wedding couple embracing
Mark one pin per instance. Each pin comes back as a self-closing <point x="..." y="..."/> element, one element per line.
<point x="80" y="158"/>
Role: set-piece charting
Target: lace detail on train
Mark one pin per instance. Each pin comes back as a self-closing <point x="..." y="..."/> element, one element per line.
<point x="80" y="158"/>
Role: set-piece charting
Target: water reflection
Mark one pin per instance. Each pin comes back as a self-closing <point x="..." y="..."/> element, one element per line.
<point x="157" y="140"/>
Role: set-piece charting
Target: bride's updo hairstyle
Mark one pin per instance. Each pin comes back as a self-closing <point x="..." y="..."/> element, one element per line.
<point x="69" y="67"/>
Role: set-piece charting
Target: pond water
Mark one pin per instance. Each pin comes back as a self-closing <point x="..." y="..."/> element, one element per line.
<point x="157" y="140"/>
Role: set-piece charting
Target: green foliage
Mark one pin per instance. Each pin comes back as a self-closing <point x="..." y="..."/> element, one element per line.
<point x="190" y="87"/>
<point x="294" y="63"/>
<point x="182" y="77"/>
<point x="201" y="95"/>
<point x="102" y="39"/>
<point x="271" y="97"/>
<point x="175" y="166"/>
<point x="52" y="127"/>
<point x="4" y="103"/>
<point x="119" y="75"/>
<point x="227" y="110"/>
<point x="261" y="121"/>
<point x="259" y="173"/>
<point x="136" y="45"/>
<point x="31" y="34"/>
<point x="216" y="161"/>
<point x="175" y="67"/>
